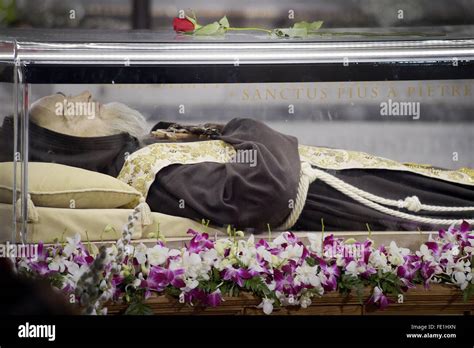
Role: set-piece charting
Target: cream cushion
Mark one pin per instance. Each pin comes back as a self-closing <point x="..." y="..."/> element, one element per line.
<point x="57" y="223"/>
<point x="60" y="186"/>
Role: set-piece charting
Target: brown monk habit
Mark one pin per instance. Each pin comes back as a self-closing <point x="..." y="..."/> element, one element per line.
<point x="252" y="197"/>
<point x="243" y="194"/>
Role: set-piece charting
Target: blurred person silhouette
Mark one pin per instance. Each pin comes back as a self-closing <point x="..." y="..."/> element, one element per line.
<point x="22" y="296"/>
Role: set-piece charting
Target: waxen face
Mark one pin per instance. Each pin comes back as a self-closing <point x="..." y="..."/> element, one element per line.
<point x="82" y="116"/>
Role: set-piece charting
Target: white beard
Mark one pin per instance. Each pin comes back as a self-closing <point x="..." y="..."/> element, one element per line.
<point x="119" y="118"/>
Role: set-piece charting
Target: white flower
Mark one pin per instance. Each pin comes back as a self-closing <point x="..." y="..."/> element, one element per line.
<point x="221" y="245"/>
<point x="425" y="253"/>
<point x="305" y="301"/>
<point x="72" y="244"/>
<point x="264" y="253"/>
<point x="57" y="264"/>
<point x="461" y="273"/>
<point x="315" y="242"/>
<point x="306" y="274"/>
<point x="251" y="240"/>
<point x="129" y="249"/>
<point x="277" y="261"/>
<point x="103" y="285"/>
<point x="210" y="257"/>
<point x="195" y="269"/>
<point x="396" y="254"/>
<point x="191" y="283"/>
<point x="352" y="269"/>
<point x="245" y="252"/>
<point x="255" y="266"/>
<point x="75" y="272"/>
<point x="292" y="252"/>
<point x="158" y="255"/>
<point x="140" y="253"/>
<point x="112" y="252"/>
<point x="267" y="305"/>
<point x="106" y="295"/>
<point x="379" y="260"/>
<point x="280" y="240"/>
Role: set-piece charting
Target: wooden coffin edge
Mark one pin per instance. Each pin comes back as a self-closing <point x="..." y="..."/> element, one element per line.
<point x="439" y="299"/>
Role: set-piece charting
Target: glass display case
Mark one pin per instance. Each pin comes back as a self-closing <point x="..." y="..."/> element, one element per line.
<point x="342" y="133"/>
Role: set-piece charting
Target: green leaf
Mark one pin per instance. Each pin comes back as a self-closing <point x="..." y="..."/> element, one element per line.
<point x="310" y="261"/>
<point x="210" y="29"/>
<point x="291" y="32"/>
<point x="313" y="26"/>
<point x="138" y="308"/>
<point x="56" y="280"/>
<point x="174" y="292"/>
<point x="224" y="22"/>
<point x="350" y="241"/>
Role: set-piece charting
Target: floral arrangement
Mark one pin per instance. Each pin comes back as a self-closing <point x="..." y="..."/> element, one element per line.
<point x="281" y="272"/>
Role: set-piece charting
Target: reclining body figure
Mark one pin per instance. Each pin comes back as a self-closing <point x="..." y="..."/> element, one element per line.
<point x="244" y="173"/>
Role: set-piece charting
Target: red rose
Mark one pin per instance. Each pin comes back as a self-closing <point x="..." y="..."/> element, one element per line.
<point x="182" y="25"/>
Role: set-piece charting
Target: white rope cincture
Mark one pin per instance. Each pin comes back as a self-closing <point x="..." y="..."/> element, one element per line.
<point x="309" y="175"/>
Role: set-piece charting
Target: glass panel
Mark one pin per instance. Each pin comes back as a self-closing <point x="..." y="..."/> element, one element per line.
<point x="360" y="132"/>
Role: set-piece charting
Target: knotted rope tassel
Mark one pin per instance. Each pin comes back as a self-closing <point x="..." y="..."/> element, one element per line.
<point x="309" y="174"/>
<point x="144" y="211"/>
<point x="33" y="215"/>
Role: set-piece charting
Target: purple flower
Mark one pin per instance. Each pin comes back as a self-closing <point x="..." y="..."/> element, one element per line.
<point x="330" y="241"/>
<point x="407" y="273"/>
<point x="366" y="250"/>
<point x="289" y="267"/>
<point x="290" y="237"/>
<point x="226" y="252"/>
<point x="42" y="253"/>
<point x="464" y="236"/>
<point x="285" y="283"/>
<point x="331" y="273"/>
<point x="368" y="272"/>
<point x="83" y="258"/>
<point x="199" y="242"/>
<point x="433" y="247"/>
<point x="68" y="288"/>
<point x="214" y="299"/>
<point x="305" y="253"/>
<point x="427" y="271"/>
<point x="117" y="280"/>
<point x="378" y="297"/>
<point x="263" y="243"/>
<point x="195" y="294"/>
<point x="159" y="278"/>
<point x="237" y="275"/>
<point x="41" y="267"/>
